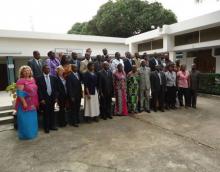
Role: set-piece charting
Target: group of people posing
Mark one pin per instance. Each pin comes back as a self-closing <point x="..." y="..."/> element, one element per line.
<point x="137" y="84"/>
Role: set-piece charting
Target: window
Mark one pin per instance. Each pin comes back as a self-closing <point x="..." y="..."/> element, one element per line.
<point x="188" y="38"/>
<point x="210" y="34"/>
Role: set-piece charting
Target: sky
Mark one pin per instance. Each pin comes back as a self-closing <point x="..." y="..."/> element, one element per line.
<point x="57" y="16"/>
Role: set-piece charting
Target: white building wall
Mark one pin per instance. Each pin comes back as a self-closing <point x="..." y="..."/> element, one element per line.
<point x="20" y="47"/>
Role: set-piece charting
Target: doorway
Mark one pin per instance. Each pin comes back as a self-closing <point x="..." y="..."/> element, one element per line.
<point x="205" y="62"/>
<point x="3" y="77"/>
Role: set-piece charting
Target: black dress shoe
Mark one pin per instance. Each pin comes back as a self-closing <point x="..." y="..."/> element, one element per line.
<point x="96" y="119"/>
<point x="148" y="111"/>
<point x="75" y="125"/>
<point x="104" y="118"/>
<point x="110" y="117"/>
<point x="162" y="110"/>
<point x="54" y="128"/>
<point x="47" y="131"/>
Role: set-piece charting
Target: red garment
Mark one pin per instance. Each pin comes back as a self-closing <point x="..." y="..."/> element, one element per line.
<point x="120" y="93"/>
<point x="29" y="93"/>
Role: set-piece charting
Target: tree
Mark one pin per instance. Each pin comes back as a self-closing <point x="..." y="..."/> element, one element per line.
<point x="124" y="18"/>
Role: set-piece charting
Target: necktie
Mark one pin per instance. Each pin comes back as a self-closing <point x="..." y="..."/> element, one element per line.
<point x="49" y="89"/>
<point x="38" y="62"/>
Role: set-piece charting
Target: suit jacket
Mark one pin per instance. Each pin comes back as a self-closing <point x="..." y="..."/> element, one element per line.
<point x="37" y="70"/>
<point x="77" y="62"/>
<point x="73" y="86"/>
<point x="42" y="88"/>
<point x="152" y="63"/>
<point x="98" y="66"/>
<point x="61" y="91"/>
<point x="144" y="78"/>
<point x="105" y="83"/>
<point x="128" y="65"/>
<point x="155" y="81"/>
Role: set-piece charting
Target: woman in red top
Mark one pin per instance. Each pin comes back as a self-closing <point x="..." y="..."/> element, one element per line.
<point x="183" y="85"/>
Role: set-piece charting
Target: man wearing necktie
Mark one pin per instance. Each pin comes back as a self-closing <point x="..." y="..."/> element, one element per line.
<point x="128" y="62"/>
<point x="105" y="89"/>
<point x="158" y="86"/>
<point x="47" y="92"/>
<point x="36" y="64"/>
<point x="74" y="93"/>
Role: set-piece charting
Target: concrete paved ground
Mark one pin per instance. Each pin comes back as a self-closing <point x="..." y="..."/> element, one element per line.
<point x="185" y="140"/>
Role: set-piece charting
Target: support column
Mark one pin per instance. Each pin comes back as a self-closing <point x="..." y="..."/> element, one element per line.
<point x="133" y="48"/>
<point x="10" y="69"/>
<point x="172" y="56"/>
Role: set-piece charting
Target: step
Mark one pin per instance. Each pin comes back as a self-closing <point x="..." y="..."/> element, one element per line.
<point x="6" y="120"/>
<point x="9" y="107"/>
<point x="4" y="113"/>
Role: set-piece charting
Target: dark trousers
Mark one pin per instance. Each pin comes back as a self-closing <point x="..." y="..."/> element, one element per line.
<point x="75" y="111"/>
<point x="158" y="96"/>
<point x="62" y="113"/>
<point x="193" y="97"/>
<point x="184" y="92"/>
<point x="171" y="96"/>
<point x="105" y="106"/>
<point x="49" y="118"/>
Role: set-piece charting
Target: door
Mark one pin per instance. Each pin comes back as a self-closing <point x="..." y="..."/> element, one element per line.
<point x="205" y="61"/>
<point x="3" y="77"/>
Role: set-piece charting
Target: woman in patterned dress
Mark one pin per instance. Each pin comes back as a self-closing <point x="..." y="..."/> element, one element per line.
<point x="26" y="104"/>
<point x="133" y="79"/>
<point x="120" y="91"/>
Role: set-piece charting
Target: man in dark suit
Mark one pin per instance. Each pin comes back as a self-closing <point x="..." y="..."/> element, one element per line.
<point x="75" y="60"/>
<point x="98" y="63"/>
<point x="36" y="64"/>
<point x="62" y="96"/>
<point x="128" y="62"/>
<point x="105" y="87"/>
<point x="194" y="85"/>
<point x="74" y="92"/>
<point x="154" y="61"/>
<point x="105" y="55"/>
<point x="158" y="86"/>
<point x="47" y="93"/>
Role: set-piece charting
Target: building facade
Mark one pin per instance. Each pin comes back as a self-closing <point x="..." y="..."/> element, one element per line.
<point x="192" y="41"/>
<point x="16" y="48"/>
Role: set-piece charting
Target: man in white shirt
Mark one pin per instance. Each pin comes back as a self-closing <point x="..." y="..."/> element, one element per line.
<point x="116" y="61"/>
<point x="84" y="63"/>
<point x="171" y="87"/>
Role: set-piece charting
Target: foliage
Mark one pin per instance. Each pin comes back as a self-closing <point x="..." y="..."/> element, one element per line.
<point x="12" y="89"/>
<point x="209" y="83"/>
<point x="124" y="18"/>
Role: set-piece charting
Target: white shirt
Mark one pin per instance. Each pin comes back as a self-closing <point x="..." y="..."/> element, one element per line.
<point x="171" y="78"/>
<point x="115" y="63"/>
<point x="64" y="82"/>
<point x="159" y="75"/>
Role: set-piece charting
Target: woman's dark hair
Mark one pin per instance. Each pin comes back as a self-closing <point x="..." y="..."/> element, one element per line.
<point x="64" y="60"/>
<point x="89" y="65"/>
